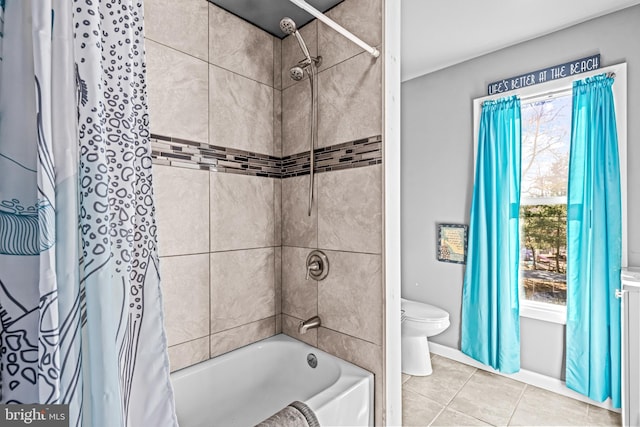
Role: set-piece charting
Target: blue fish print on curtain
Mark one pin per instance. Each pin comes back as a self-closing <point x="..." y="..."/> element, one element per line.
<point x="80" y="301"/>
<point x="38" y="215"/>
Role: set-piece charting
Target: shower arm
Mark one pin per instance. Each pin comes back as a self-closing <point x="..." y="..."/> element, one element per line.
<point x="322" y="17"/>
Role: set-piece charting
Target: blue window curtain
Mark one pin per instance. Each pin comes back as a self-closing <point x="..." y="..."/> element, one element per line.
<point x="594" y="244"/>
<point x="490" y="315"/>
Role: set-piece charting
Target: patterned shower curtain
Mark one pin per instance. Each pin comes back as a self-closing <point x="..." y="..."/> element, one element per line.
<point x="80" y="304"/>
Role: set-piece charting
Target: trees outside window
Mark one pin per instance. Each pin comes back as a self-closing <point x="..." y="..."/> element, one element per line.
<point x="546" y="134"/>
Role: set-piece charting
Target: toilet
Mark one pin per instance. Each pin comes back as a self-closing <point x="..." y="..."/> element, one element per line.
<point x="419" y="321"/>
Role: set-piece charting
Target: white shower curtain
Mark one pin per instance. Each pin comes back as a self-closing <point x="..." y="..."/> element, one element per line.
<point x="80" y="304"/>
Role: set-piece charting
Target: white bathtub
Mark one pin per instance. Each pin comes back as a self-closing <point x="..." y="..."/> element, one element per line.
<point x="246" y="386"/>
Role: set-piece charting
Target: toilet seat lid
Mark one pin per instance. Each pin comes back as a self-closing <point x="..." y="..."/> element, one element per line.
<point x="421" y="312"/>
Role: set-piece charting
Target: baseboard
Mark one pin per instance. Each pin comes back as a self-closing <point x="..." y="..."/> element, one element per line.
<point x="529" y="377"/>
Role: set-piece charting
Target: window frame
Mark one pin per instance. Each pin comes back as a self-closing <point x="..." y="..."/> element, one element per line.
<point x="545" y="311"/>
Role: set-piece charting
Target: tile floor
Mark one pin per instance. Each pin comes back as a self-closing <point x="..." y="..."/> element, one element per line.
<point x="461" y="395"/>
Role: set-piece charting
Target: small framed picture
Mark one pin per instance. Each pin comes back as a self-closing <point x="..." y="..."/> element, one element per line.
<point x="452" y="243"/>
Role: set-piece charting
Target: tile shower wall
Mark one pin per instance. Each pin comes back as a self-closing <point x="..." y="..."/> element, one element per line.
<point x="219" y="233"/>
<point x="346" y="218"/>
<point x="233" y="244"/>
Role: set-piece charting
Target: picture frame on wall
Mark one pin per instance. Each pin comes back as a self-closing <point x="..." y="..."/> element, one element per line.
<point x="452" y="243"/>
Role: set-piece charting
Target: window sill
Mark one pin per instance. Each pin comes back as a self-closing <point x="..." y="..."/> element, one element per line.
<point x="545" y="312"/>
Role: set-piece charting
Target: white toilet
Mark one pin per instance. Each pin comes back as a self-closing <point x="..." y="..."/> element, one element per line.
<point x="419" y="321"/>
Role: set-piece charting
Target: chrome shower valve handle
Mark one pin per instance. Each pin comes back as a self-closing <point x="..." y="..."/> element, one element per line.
<point x="313" y="266"/>
<point x="317" y="265"/>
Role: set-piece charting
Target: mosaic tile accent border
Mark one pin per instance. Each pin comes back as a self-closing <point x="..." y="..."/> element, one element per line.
<point x="353" y="154"/>
<point x="196" y="155"/>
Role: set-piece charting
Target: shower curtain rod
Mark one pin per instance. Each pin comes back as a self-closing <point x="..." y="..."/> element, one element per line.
<point x="321" y="16"/>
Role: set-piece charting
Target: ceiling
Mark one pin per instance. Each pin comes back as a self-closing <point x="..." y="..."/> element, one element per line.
<point x="437" y="34"/>
<point x="266" y="14"/>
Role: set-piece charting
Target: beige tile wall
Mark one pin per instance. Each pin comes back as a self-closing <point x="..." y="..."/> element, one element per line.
<point x="346" y="220"/>
<point x="233" y="247"/>
<point x="350" y="100"/>
<point x="177" y="87"/>
<point x="212" y="78"/>
<point x="363" y="18"/>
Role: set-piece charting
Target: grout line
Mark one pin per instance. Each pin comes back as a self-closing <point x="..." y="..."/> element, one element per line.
<point x="342" y="333"/>
<point x="517" y="403"/>
<point x="330" y="250"/>
<point x="180" y="255"/>
<point x="147" y="38"/>
<point x="437" y="415"/>
<point x="188" y="341"/>
<point x="241" y="75"/>
<point x="448" y="405"/>
<point x="210" y="175"/>
<point x="210" y="261"/>
<point x="243" y="249"/>
<point x="461" y="387"/>
<point x="207" y="61"/>
<point x="277" y="266"/>
<point x="245" y="324"/>
<point x="223" y="251"/>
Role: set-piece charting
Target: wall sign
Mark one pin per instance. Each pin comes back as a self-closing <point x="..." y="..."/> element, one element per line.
<point x="452" y="243"/>
<point x="567" y="69"/>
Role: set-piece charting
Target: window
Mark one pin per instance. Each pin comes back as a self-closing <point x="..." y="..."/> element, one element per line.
<point x="546" y="137"/>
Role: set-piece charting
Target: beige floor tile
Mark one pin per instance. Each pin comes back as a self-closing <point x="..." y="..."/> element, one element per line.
<point x="603" y="417"/>
<point x="450" y="417"/>
<point x="417" y="410"/>
<point x="488" y="397"/>
<point x="484" y="398"/>
<point x="447" y="379"/>
<point x="544" y="408"/>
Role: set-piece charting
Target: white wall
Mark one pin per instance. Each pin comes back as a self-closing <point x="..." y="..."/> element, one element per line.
<point x="437" y="164"/>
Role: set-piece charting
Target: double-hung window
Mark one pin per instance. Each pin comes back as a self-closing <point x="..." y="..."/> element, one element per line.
<point x="546" y="141"/>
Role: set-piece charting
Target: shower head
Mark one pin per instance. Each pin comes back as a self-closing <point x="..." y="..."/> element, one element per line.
<point x="296" y="73"/>
<point x="288" y="26"/>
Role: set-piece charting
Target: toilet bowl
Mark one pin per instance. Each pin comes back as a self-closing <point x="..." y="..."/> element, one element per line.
<point x="419" y="321"/>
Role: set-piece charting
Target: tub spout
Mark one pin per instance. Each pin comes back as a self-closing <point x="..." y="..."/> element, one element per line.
<point x="305" y="325"/>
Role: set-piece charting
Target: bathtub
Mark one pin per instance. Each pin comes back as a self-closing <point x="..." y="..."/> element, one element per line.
<point x="246" y="386"/>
